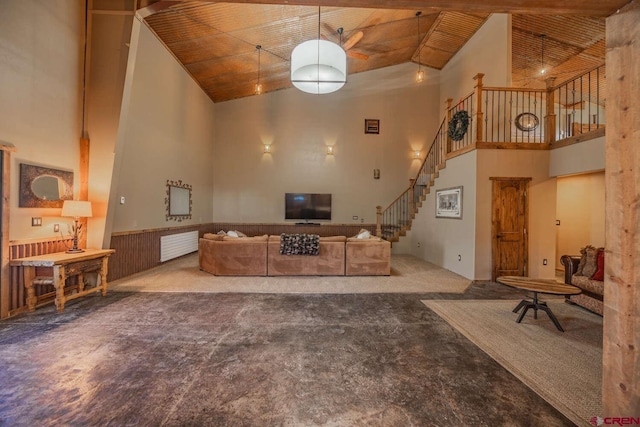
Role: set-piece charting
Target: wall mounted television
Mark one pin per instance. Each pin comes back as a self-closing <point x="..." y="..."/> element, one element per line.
<point x="307" y="206"/>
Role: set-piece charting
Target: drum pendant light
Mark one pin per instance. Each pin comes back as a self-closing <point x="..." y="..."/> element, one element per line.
<point x="318" y="66"/>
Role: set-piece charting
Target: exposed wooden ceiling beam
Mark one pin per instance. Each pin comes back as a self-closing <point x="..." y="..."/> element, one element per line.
<point x="535" y="7"/>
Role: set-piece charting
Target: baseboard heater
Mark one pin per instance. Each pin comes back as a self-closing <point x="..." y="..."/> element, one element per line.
<point x="176" y="245"/>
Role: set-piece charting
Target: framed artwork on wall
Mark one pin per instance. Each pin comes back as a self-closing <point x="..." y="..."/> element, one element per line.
<point x="449" y="203"/>
<point x="371" y="126"/>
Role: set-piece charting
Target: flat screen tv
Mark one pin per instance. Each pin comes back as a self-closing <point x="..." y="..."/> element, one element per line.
<point x="307" y="206"/>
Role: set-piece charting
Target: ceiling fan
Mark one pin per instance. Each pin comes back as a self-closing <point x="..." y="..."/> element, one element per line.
<point x="349" y="43"/>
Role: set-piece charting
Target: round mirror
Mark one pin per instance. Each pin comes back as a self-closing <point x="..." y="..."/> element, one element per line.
<point x="527" y="122"/>
<point x="47" y="187"/>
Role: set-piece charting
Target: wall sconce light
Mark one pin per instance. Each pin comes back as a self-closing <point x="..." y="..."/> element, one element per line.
<point x="267" y="148"/>
<point x="329" y="150"/>
<point x="416" y="154"/>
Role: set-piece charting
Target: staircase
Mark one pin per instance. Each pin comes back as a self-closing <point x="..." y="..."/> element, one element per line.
<point x="396" y="219"/>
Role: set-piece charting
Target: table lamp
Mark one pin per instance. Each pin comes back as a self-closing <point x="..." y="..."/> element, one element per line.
<point x="76" y="209"/>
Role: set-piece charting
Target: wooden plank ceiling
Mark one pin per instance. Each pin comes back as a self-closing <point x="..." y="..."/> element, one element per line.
<point x="216" y="42"/>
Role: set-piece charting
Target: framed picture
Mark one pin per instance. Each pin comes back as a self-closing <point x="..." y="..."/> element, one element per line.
<point x="371" y="126"/>
<point x="449" y="203"/>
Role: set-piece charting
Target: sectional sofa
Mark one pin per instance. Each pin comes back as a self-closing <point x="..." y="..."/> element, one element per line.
<point x="260" y="256"/>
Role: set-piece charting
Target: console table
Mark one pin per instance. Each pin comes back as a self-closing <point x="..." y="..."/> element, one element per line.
<point x="65" y="265"/>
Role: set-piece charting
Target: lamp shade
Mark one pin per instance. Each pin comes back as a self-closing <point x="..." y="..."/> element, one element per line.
<point x="318" y="67"/>
<point x="76" y="209"/>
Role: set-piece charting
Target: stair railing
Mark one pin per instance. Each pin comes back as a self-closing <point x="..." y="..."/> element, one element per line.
<point x="502" y="118"/>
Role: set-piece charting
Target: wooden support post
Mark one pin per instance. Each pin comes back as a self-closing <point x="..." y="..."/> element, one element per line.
<point x="621" y="329"/>
<point x="83" y="191"/>
<point x="550" y="118"/>
<point x="479" y="113"/>
<point x="412" y="201"/>
<point x="5" y="272"/>
<point x="448" y="147"/>
<point x="379" y="221"/>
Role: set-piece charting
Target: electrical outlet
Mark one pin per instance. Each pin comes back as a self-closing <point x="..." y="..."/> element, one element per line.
<point x="355" y="217"/>
<point x="122" y="200"/>
<point x="459" y="257"/>
<point x="56" y="228"/>
<point x="557" y="222"/>
<point x="419" y="244"/>
<point x="544" y="261"/>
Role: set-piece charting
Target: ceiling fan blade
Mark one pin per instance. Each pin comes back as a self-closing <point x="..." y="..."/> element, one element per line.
<point x="356" y="55"/>
<point x="351" y="41"/>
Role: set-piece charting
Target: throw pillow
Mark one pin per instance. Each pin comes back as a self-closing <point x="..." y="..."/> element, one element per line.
<point x="599" y="274"/>
<point x="583" y="260"/>
<point x="240" y="233"/>
<point x="222" y="233"/>
<point x="591" y="261"/>
<point x="232" y="233"/>
<point x="364" y="234"/>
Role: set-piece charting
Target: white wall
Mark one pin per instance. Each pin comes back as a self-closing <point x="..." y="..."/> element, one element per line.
<point x="447" y="242"/>
<point x="249" y="185"/>
<point x="587" y="156"/>
<point x="580" y="210"/>
<point x="487" y="52"/>
<point x="40" y="96"/>
<point x="110" y="34"/>
<point x="166" y="132"/>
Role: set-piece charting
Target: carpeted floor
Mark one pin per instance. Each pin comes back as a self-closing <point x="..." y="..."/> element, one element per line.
<point x="162" y="357"/>
<point x="408" y="275"/>
<point x="564" y="368"/>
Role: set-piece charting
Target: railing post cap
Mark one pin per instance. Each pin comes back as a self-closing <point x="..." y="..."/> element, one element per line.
<point x="478" y="76"/>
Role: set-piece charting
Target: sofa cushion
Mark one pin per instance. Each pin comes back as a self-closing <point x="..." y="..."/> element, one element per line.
<point x="599" y="274"/>
<point x="333" y="239"/>
<point x="211" y="236"/>
<point x="254" y="239"/>
<point x="585" y="283"/>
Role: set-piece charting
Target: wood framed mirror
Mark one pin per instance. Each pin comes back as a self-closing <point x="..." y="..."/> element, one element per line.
<point x="43" y="187"/>
<point x="178" y="201"/>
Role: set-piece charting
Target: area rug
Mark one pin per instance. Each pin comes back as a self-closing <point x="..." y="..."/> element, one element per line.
<point x="408" y="275"/>
<point x="563" y="368"/>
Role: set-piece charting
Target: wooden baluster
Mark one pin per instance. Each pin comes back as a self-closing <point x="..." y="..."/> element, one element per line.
<point x="379" y="221"/>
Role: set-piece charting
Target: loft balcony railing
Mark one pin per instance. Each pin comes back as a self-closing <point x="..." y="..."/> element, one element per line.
<point x="520" y="118"/>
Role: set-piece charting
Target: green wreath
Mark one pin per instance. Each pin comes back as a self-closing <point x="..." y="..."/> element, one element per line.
<point x="458" y="125"/>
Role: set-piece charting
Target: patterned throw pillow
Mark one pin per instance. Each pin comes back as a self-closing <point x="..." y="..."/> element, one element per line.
<point x="299" y="244"/>
<point x="591" y="261"/>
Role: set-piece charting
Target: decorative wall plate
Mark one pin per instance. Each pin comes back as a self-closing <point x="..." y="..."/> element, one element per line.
<point x="527" y="122"/>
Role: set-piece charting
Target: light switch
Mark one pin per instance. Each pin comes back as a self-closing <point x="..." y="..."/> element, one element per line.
<point x="122" y="200"/>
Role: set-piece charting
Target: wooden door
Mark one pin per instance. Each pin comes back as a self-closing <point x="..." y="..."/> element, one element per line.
<point x="509" y="226"/>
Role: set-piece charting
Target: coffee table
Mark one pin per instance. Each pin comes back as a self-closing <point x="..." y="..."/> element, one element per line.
<point x="538" y="286"/>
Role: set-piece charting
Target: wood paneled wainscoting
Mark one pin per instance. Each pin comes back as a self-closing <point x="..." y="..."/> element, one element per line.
<point x="137" y="251"/>
<point x="26" y="248"/>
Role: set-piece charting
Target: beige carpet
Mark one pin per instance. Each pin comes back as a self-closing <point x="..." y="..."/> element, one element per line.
<point x="408" y="275"/>
<point x="564" y="368"/>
